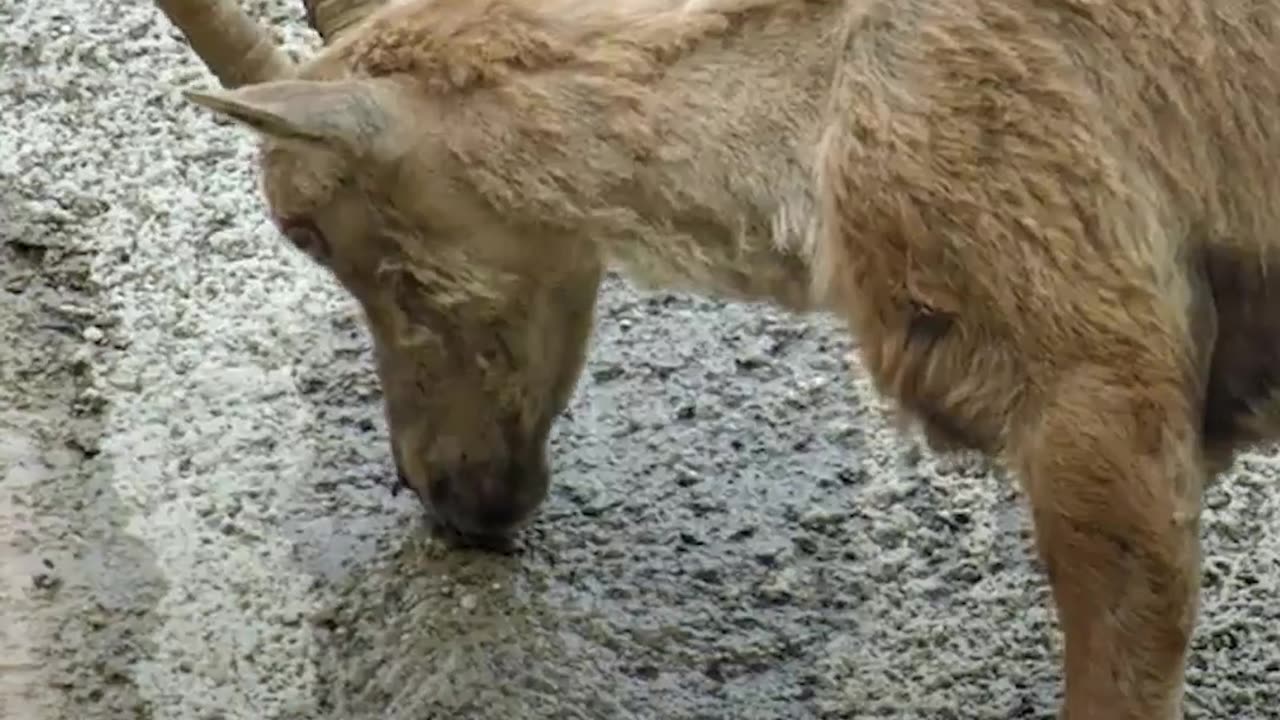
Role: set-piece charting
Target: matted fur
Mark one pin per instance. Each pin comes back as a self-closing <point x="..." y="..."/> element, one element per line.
<point x="1050" y="224"/>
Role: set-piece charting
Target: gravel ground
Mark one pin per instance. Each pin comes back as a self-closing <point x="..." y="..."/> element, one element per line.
<point x="194" y="511"/>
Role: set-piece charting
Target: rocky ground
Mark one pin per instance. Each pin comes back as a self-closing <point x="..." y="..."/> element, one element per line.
<point x="194" y="514"/>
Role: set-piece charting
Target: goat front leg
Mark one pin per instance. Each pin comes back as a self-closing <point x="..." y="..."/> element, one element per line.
<point x="1113" y="471"/>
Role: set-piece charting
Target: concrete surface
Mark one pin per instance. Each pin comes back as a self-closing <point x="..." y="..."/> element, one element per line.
<point x="194" y="514"/>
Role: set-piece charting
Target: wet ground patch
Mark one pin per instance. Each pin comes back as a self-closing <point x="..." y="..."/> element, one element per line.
<point x="76" y="590"/>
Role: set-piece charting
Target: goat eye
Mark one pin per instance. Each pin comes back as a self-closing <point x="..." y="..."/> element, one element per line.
<point x="307" y="238"/>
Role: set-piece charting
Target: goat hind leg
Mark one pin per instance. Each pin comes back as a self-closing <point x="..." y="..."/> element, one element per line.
<point x="1113" y="472"/>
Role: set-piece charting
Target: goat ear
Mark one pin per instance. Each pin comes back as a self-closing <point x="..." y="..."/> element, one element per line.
<point x="341" y="114"/>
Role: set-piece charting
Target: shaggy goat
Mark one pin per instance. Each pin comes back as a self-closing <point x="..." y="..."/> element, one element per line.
<point x="1048" y="222"/>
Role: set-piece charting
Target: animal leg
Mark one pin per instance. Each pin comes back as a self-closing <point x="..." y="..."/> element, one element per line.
<point x="1114" y="474"/>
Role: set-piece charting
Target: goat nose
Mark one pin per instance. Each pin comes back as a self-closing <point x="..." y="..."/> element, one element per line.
<point x="476" y="501"/>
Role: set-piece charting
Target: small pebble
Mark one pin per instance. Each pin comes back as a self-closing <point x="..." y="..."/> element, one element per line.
<point x="819" y="517"/>
<point x="686" y="477"/>
<point x="46" y="581"/>
<point x="81" y="358"/>
<point x="781" y="587"/>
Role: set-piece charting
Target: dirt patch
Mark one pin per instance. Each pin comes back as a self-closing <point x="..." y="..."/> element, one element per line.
<point x="76" y="591"/>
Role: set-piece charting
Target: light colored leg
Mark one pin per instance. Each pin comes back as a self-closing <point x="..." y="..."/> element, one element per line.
<point x="1114" y="474"/>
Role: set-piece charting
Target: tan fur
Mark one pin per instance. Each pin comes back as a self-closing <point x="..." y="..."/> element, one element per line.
<point x="1048" y="222"/>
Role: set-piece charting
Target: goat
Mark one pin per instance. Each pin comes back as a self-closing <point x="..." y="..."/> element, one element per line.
<point x="1049" y="223"/>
